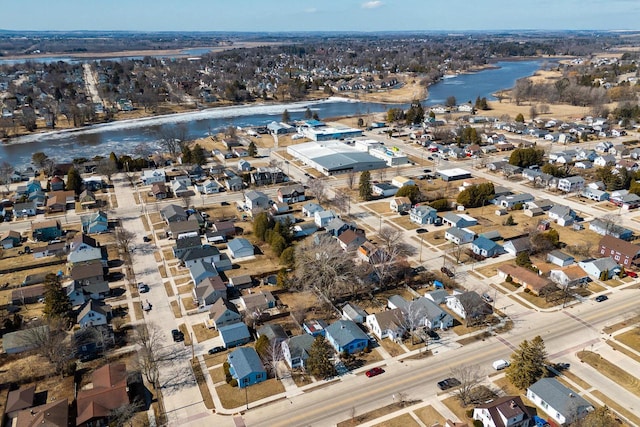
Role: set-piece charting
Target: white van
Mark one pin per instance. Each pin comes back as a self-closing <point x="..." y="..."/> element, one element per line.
<point x="500" y="364"/>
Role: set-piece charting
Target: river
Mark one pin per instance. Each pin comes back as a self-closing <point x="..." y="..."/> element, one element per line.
<point x="123" y="136"/>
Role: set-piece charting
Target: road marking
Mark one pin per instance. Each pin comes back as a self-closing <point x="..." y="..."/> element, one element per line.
<point x="506" y="343"/>
<point x="587" y="324"/>
<point x="574" y="348"/>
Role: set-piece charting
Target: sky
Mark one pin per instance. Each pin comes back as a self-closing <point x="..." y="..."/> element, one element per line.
<point x="319" y="15"/>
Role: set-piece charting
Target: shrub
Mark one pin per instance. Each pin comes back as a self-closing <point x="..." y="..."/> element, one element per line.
<point x="477" y="423"/>
<point x="233" y="383"/>
<point x="469" y="413"/>
<point x="509" y="279"/>
<point x="527" y="290"/>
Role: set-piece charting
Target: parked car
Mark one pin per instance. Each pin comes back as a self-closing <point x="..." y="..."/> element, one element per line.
<point x="142" y="287"/>
<point x="487" y="298"/>
<point x="146" y="305"/>
<point x="374" y="371"/>
<point x="500" y="364"/>
<point x="632" y="274"/>
<point x="448" y="383"/>
<point x="421" y="230"/>
<point x="146" y="239"/>
<point x="601" y="298"/>
<point x="178" y="335"/>
<point x="429" y="158"/>
<point x="433" y="335"/>
<point x="448" y="272"/>
<point x="216" y="349"/>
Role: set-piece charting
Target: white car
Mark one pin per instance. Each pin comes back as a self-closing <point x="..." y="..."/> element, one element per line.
<point x="500" y="364"/>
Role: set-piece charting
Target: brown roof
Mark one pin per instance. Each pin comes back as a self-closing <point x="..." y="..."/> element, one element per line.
<point x="402" y="200"/>
<point x="525" y="277"/>
<point x="574" y="272"/>
<point x="620" y="246"/>
<point x="158" y="187"/>
<point x="389" y="319"/>
<point x="53" y="414"/>
<point x="45" y="224"/>
<point x="506" y="407"/>
<point x="10" y="233"/>
<point x="21" y="398"/>
<point x="86" y="270"/>
<point x="214" y="282"/>
<point x="109" y="392"/>
<point x="349" y="236"/>
<point x="80" y="238"/>
<point x="220" y="307"/>
<point x="27" y="292"/>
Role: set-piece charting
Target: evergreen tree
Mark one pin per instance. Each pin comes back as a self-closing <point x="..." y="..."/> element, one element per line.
<point x="410" y="191"/>
<point x="261" y="225"/>
<point x="56" y="303"/>
<point x="186" y="155"/>
<point x="528" y="363"/>
<point x="197" y="155"/>
<point x="319" y="361"/>
<point x="364" y="187"/>
<point x="262" y="346"/>
<point x="74" y="180"/>
<point x="115" y="160"/>
<point x="252" y="149"/>
<point x="520" y="118"/>
<point x="287" y="257"/>
<point x="308" y="114"/>
<point x="525" y="157"/>
<point x="476" y="195"/>
<point x="286" y="117"/>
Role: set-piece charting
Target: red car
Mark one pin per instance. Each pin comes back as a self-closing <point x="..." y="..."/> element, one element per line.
<point x="632" y="274"/>
<point x="374" y="371"/>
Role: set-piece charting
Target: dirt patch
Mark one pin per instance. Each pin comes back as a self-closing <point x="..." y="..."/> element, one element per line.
<point x="202" y="385"/>
<point x="400" y="421"/>
<point x="615" y="406"/>
<point x="505" y="385"/>
<point x="613" y="372"/>
<point x="577" y="380"/>
<point x="212" y="360"/>
<point x="381" y="208"/>
<point x="168" y="289"/>
<point x="630" y="338"/>
<point x="377" y="413"/>
<point x="300" y="378"/>
<point x="492" y="270"/>
<point x="429" y="415"/>
<point x="187" y="336"/>
<point x="233" y="397"/>
<point x="184" y="289"/>
<point x="217" y="375"/>
<point x="392" y="348"/>
<point x="162" y="271"/>
<point x="202" y="333"/>
<point x="137" y="311"/>
<point x="454" y="406"/>
<point x="175" y="306"/>
<point x="621" y="325"/>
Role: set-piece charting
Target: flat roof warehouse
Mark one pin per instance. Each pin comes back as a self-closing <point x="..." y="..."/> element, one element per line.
<point x="454" y="174"/>
<point x="335" y="157"/>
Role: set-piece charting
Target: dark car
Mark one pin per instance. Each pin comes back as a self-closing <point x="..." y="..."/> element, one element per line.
<point x="448" y="272"/>
<point x="448" y="383"/>
<point x="178" y="335"/>
<point x="601" y="298"/>
<point x="421" y="230"/>
<point x="146" y="239"/>
<point x="374" y="371"/>
<point x="426" y="170"/>
<point x="216" y="349"/>
<point x="433" y="335"/>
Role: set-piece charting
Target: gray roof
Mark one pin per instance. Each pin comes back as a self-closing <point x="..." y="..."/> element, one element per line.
<point x="199" y="253"/>
<point x="561" y="398"/>
<point x="244" y="360"/>
<point x="603" y="264"/>
<point x="201" y="270"/>
<point x="20" y="339"/>
<point x="220" y="307"/>
<point x="300" y="345"/>
<point x="239" y="244"/>
<point x="438" y="296"/>
<point x="173" y="212"/>
<point x="188" y="242"/>
<point x="345" y="331"/>
<point x="273" y="331"/>
<point x="346" y="160"/>
<point x="234" y="332"/>
<point x="561" y="255"/>
<point x="352" y="310"/>
<point x="520" y="244"/>
<point x="560" y="210"/>
<point x="460" y="233"/>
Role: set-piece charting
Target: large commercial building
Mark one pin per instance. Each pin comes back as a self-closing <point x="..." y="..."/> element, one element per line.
<point x="335" y="157"/>
<point x="326" y="133"/>
<point x="454" y="174"/>
<point x="393" y="156"/>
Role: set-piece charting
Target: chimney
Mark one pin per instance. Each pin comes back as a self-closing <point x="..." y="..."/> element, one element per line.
<point x="513" y="404"/>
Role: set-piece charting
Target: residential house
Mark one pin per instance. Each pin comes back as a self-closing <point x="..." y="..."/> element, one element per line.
<point x="351" y="240"/>
<point x="59" y="200"/>
<point x="52" y="414"/>
<point x="181" y="229"/>
<point x="627" y="164"/>
<point x="400" y="204"/>
<point x="322" y="218"/>
<point x="255" y="200"/>
<point x="19" y="399"/>
<point x="273" y="332"/>
<point x="173" y="213"/>
<point x="605" y="160"/>
<point x="345" y="335"/>
<point x="24" y="210"/>
<point x="337" y="226"/>
<point x="75" y="294"/>
<point x="200" y="270"/>
<point x="304" y="229"/>
<point x="388" y="323"/>
<point x="241" y="282"/>
<point x="559" y="258"/>
<point x="56" y="248"/>
<point x="459" y="220"/>
<point x="571" y="184"/>
<point x="96" y="405"/>
<point x="27" y="294"/>
<point x="224" y="228"/>
<point x="423" y="214"/>
<point x="234" y="183"/>
<point x="595" y="194"/>
<point x="485" y="247"/>
<point x="603" y="147"/>
<point x="95" y="223"/>
<point x="257" y="302"/>
<point x="94" y="313"/>
<point x="604" y="227"/>
<point x="10" y="239"/>
<point x="87" y="199"/>
<point x="384" y="189"/>
<point x="152" y="176"/>
<point x="85" y="248"/>
<point x="583" y="164"/>
<point x="561" y="214"/>
<point x="510" y="202"/>
<point x="186" y="244"/>
<point x="506" y="411"/>
<point x="469" y="305"/>
<point x="562" y="404"/>
<point x="371" y="253"/>
<point x="622" y="251"/>
<point x="459" y="236"/>
<point x="244" y="166"/>
<point x="205" y="253"/>
<point x="21" y="341"/>
<point x="569" y="276"/>
<point x="422" y="312"/>
<point x="353" y="312"/>
<point x="601" y="267"/>
<point x="209" y="186"/>
<point x="209" y="290"/>
<point x="46" y="230"/>
<point x="402" y="181"/>
<point x="56" y="184"/>
<point x="309" y="209"/>
<point x="222" y="313"/>
<point x="291" y="194"/>
<point x="296" y="350"/>
<point x="315" y="327"/>
<point x="240" y="248"/>
<point x="234" y="334"/>
<point x="245" y="367"/>
<point x="180" y="187"/>
<point x="90" y="277"/>
<point x="524" y="277"/>
<point x="159" y="190"/>
<point x="439" y="296"/>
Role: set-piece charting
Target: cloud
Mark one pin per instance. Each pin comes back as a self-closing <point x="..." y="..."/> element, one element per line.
<point x="372" y="4"/>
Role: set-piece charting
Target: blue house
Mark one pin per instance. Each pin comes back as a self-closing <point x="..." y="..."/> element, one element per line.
<point x="245" y="366"/>
<point x="485" y="247"/>
<point x="96" y="222"/>
<point x="423" y="214"/>
<point x="201" y="270"/>
<point x="345" y="335"/>
<point x="44" y="231"/>
<point x="240" y="248"/>
<point x="234" y="334"/>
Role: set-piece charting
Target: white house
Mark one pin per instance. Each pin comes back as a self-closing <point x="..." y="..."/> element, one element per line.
<point x="506" y="411"/>
<point x="322" y="218"/>
<point x="605" y="160"/>
<point x="562" y="404"/>
<point x="400" y="204"/>
<point x="401" y="181"/>
<point x="459" y="236"/>
<point x="210" y="186"/>
<point x="569" y="276"/>
<point x="309" y="209"/>
<point x="571" y="184"/>
<point x="596" y="267"/>
<point x="468" y="304"/>
<point x="256" y="200"/>
<point x="387" y="323"/>
<point x="151" y="176"/>
<point x="240" y="248"/>
<point x="384" y="189"/>
<point x="94" y="313"/>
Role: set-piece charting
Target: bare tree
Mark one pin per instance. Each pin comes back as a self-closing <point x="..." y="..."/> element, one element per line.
<point x="124" y="238"/>
<point x="318" y="189"/>
<point x="107" y="167"/>
<point x="186" y="199"/>
<point x="323" y="265"/>
<point x="470" y="376"/>
<point x="412" y="317"/>
<point x="272" y="357"/>
<point x="52" y="342"/>
<point x="172" y="139"/>
<point x="124" y="415"/>
<point x="351" y="180"/>
<point x="6" y="170"/>
<point x="391" y="250"/>
<point x="342" y="200"/>
<point x="153" y="353"/>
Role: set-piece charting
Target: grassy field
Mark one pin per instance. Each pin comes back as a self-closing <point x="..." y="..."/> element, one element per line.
<point x="620" y="325"/>
<point x="233" y="397"/>
<point x="630" y="338"/>
<point x="217" y="375"/>
<point x="202" y="385"/>
<point x="377" y="413"/>
<point x="611" y="371"/>
<point x="202" y="333"/>
<point x="429" y="415"/>
<point x="404" y="420"/>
